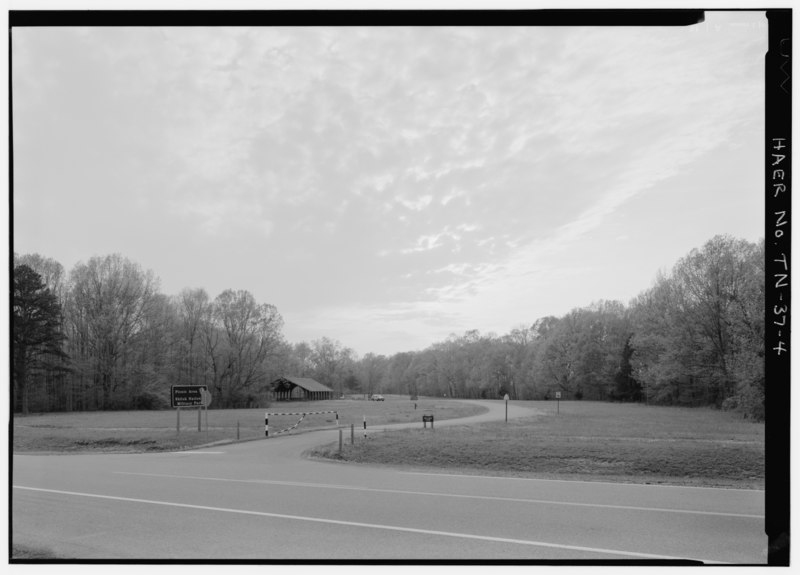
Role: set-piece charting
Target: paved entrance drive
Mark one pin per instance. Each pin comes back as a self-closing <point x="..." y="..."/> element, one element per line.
<point x="262" y="500"/>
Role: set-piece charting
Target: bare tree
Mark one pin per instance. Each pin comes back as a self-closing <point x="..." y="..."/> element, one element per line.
<point x="110" y="298"/>
<point x="194" y="308"/>
<point x="251" y="334"/>
<point x="332" y="362"/>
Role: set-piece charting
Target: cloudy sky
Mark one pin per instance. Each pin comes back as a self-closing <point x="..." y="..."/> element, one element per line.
<point x="388" y="186"/>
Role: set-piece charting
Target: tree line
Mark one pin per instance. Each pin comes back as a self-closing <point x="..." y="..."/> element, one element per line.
<point x="104" y="337"/>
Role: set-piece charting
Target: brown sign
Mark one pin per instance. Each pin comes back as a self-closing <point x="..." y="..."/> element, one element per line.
<point x="188" y="395"/>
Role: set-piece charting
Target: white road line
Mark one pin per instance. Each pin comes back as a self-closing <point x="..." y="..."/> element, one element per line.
<point x="370" y="525"/>
<point x="579" y="481"/>
<point x="455" y="495"/>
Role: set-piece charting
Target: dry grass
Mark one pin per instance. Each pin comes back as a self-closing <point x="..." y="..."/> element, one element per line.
<point x="590" y="441"/>
<point x="136" y="431"/>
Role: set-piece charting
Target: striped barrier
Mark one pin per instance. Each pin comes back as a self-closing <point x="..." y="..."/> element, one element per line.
<point x="300" y="413"/>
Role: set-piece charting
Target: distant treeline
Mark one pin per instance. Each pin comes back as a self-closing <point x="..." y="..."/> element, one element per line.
<point x="104" y="337"/>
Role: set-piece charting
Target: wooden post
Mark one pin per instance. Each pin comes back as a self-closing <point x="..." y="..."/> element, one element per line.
<point x="199" y="418"/>
<point x="178" y="425"/>
<point x="237" y="431"/>
<point x="352" y="434"/>
<point x="340" y="441"/>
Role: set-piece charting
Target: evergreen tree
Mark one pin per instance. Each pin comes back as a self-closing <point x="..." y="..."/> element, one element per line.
<point x="36" y="330"/>
<point x="626" y="387"/>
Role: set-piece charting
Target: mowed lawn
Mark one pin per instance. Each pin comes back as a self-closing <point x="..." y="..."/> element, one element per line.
<point x="132" y="431"/>
<point x="586" y="441"/>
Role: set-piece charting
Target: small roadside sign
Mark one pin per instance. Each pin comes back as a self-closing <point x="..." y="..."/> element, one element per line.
<point x="187" y="395"/>
<point x="558" y="395"/>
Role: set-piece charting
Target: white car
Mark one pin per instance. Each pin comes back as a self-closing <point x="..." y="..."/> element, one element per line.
<point x="377" y="398"/>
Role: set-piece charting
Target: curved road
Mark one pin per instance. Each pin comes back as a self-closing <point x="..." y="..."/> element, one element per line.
<point x="261" y="501"/>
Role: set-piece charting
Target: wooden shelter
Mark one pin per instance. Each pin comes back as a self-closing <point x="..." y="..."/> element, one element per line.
<point x="292" y="388"/>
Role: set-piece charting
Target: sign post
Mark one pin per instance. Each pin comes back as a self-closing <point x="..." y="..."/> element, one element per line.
<point x="206" y="398"/>
<point x="506" y="398"/>
<point x="558" y="400"/>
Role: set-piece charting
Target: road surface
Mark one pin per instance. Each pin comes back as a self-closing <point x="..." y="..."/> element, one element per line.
<point x="262" y="501"/>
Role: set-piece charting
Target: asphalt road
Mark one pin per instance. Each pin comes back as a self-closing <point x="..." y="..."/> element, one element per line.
<point x="262" y="501"/>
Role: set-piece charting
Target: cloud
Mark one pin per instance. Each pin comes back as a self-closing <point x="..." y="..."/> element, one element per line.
<point x="416" y="204"/>
<point x="425" y="168"/>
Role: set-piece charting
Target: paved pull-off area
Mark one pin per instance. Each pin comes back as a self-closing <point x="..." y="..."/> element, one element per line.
<point x="261" y="500"/>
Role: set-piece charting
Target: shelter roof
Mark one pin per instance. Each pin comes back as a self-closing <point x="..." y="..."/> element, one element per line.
<point x="305" y="382"/>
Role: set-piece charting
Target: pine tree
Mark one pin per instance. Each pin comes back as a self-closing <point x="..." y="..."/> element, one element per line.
<point x="36" y="329"/>
<point x="626" y="387"/>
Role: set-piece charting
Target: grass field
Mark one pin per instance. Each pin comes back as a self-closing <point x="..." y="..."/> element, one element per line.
<point x="586" y="440"/>
<point x="136" y="431"/>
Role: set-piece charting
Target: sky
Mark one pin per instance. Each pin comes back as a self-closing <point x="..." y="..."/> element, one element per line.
<point x="387" y="187"/>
